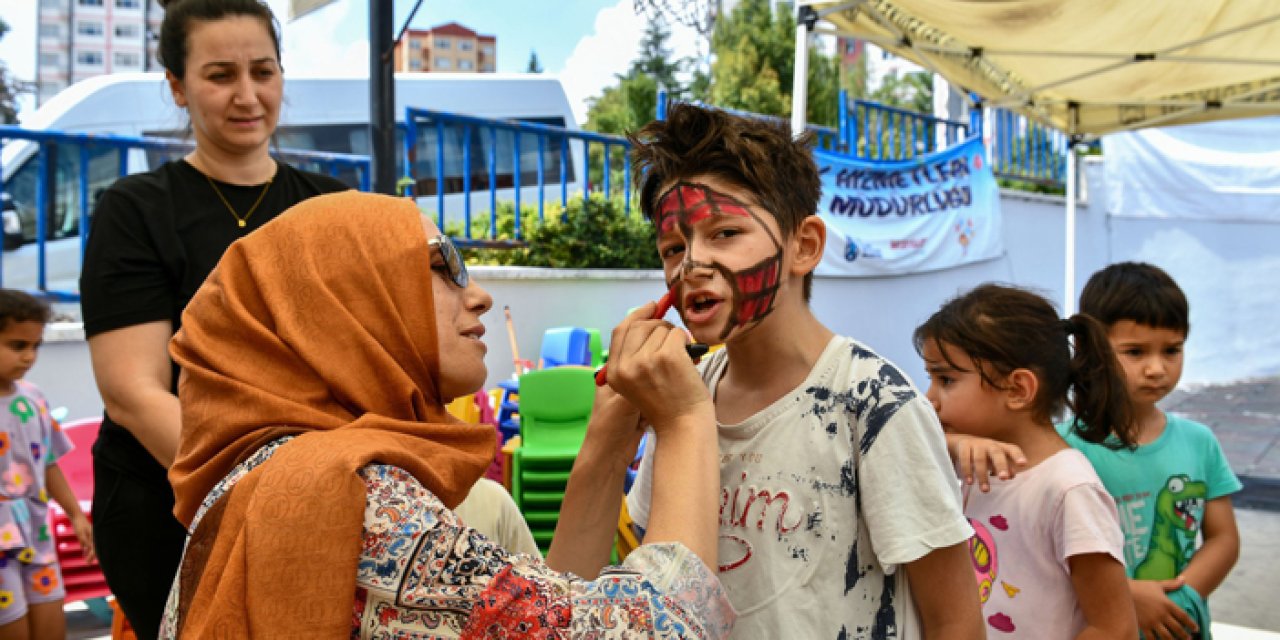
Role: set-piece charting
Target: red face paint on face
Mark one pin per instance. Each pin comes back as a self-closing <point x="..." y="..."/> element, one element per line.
<point x="681" y="209"/>
<point x="687" y="204"/>
<point x="757" y="288"/>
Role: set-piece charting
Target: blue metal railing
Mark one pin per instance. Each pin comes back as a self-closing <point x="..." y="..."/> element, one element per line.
<point x="552" y="145"/>
<point x="1020" y="149"/>
<point x="86" y="144"/>
<point x="1023" y="149"/>
<point x="875" y="131"/>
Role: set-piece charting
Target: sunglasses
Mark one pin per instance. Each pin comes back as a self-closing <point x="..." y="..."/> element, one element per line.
<point x="454" y="266"/>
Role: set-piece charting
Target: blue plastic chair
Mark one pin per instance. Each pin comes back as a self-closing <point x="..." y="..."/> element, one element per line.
<point x="508" y="413"/>
<point x="566" y="346"/>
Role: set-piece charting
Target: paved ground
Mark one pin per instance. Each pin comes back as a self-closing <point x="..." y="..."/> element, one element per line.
<point x="1246" y="418"/>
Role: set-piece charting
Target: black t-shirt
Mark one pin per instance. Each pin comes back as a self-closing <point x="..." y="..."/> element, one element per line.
<point x="154" y="239"/>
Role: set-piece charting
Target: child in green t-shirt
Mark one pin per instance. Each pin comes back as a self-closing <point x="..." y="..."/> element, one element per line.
<point x="1176" y="483"/>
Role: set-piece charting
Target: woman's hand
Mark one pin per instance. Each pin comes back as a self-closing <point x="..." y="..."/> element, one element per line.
<point x="648" y="365"/>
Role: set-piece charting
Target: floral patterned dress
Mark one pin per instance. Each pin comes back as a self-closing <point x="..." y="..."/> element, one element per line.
<point x="423" y="574"/>
<point x="30" y="441"/>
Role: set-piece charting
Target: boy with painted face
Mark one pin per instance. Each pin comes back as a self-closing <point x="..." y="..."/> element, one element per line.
<point x="840" y="514"/>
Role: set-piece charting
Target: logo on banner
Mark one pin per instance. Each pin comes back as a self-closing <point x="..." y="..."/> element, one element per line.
<point x="854" y="250"/>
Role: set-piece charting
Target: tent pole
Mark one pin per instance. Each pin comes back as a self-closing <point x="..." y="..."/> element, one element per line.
<point x="805" y="21"/>
<point x="1069" y="289"/>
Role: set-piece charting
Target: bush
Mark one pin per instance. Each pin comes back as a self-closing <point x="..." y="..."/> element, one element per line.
<point x="592" y="232"/>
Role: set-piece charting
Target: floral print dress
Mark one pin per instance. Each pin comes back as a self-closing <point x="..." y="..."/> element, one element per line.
<point x="423" y="574"/>
<point x="30" y="441"/>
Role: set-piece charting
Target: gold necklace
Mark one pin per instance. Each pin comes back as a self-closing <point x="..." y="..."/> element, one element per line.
<point x="241" y="220"/>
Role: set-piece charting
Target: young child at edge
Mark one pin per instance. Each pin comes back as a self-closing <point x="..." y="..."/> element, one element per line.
<point x="839" y="514"/>
<point x="1177" y="482"/>
<point x="31" y="589"/>
<point x="1047" y="546"/>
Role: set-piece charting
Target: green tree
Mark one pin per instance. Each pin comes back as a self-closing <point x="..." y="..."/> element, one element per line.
<point x="913" y="91"/>
<point x="534" y="65"/>
<point x="633" y="102"/>
<point x="10" y="88"/>
<point x="699" y="15"/>
<point x="754" y="65"/>
<point x="655" y="58"/>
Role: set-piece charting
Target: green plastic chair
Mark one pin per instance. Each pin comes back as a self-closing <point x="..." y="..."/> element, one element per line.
<point x="595" y="344"/>
<point x="555" y="406"/>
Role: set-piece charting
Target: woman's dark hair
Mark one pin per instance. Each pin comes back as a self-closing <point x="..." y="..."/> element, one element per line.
<point x="175" y="31"/>
<point x="1005" y="328"/>
<point x="20" y="306"/>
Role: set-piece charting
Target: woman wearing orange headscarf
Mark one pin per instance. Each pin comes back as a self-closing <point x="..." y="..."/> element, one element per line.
<point x="317" y="465"/>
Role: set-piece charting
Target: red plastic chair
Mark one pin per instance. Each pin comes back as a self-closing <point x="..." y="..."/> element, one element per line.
<point x="83" y="581"/>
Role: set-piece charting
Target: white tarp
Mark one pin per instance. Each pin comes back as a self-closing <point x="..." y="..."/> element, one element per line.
<point x="1217" y="171"/>
<point x="1085" y="66"/>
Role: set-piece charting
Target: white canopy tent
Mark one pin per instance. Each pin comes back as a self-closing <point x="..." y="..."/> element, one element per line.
<point x="1085" y="67"/>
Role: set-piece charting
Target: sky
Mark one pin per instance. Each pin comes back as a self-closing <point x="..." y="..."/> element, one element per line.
<point x="584" y="42"/>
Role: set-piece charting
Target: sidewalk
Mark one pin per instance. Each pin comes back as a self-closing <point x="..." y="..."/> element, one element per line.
<point x="1246" y="418"/>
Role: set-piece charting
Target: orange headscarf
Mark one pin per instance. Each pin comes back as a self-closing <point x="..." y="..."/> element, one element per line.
<point x="321" y="324"/>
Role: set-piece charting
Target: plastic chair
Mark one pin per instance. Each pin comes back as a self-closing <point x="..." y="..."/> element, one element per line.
<point x="83" y="581"/>
<point x="465" y="409"/>
<point x="555" y="405"/>
<point x="634" y="467"/>
<point x="77" y="466"/>
<point x="626" y="540"/>
<point x="508" y="452"/>
<point x="484" y="401"/>
<point x="565" y="346"/>
<point x="595" y="345"/>
<point x="120" y="627"/>
<point x="508" y="408"/>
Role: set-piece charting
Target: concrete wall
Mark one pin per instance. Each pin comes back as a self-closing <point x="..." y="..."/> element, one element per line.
<point x="1227" y="270"/>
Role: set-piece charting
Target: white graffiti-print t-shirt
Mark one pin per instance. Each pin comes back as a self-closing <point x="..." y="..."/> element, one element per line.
<point x="823" y="494"/>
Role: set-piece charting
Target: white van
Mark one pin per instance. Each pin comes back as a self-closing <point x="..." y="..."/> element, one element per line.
<point x="319" y="114"/>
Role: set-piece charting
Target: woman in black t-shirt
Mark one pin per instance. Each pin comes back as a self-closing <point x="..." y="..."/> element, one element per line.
<point x="155" y="238"/>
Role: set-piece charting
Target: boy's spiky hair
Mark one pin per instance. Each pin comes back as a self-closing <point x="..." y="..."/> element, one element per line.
<point x="20" y="306"/>
<point x="1136" y="291"/>
<point x="758" y="155"/>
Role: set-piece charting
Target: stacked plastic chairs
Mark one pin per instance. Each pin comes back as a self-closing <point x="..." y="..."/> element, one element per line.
<point x="561" y="346"/>
<point x="555" y="405"/>
<point x="476" y="409"/>
<point x="83" y="581"/>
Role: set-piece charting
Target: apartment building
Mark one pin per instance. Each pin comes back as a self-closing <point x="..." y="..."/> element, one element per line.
<point x="81" y="39"/>
<point x="447" y="48"/>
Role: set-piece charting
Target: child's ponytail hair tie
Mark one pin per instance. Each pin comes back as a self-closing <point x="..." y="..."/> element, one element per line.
<point x="1070" y="326"/>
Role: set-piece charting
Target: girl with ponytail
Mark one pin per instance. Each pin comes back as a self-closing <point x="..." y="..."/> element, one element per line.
<point x="1047" y="550"/>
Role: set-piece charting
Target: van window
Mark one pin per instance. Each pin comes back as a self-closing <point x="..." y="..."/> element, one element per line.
<point x="63" y="194"/>
<point x="354" y="138"/>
